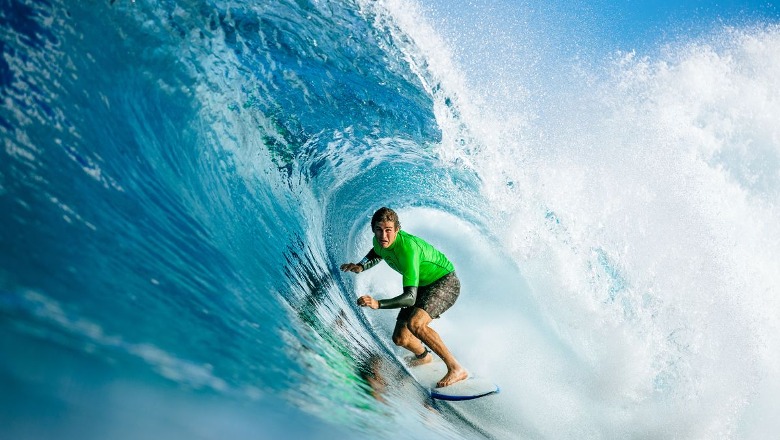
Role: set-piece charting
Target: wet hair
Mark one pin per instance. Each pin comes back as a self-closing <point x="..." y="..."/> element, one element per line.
<point x="384" y="214"/>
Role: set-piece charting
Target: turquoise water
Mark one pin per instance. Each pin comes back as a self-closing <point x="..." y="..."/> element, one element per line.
<point x="179" y="182"/>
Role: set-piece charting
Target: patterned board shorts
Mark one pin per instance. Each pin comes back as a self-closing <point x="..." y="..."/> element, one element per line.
<point x="435" y="298"/>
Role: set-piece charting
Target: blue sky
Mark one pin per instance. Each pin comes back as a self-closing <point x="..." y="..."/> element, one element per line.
<point x="517" y="48"/>
<point x="604" y="26"/>
<point x="638" y="22"/>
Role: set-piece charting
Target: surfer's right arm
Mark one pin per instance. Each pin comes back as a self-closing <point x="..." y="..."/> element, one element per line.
<point x="370" y="260"/>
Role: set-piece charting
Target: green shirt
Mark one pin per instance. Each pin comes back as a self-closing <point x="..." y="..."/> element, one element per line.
<point x="418" y="262"/>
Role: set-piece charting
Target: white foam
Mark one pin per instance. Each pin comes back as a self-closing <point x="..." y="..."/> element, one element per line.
<point x="642" y="214"/>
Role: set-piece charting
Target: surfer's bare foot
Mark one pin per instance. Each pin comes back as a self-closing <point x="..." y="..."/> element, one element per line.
<point x="414" y="361"/>
<point x="454" y="375"/>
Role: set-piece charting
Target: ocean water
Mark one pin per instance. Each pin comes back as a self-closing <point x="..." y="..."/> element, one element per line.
<point x="180" y="180"/>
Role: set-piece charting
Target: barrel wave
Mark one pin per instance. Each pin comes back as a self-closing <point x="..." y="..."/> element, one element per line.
<point x="180" y="180"/>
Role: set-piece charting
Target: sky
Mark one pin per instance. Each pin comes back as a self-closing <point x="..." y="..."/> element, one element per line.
<point x="631" y="23"/>
<point x="533" y="42"/>
<point x="604" y="26"/>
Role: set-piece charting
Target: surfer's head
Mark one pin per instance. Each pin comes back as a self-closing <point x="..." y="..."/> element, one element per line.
<point x="385" y="225"/>
<point x="383" y="215"/>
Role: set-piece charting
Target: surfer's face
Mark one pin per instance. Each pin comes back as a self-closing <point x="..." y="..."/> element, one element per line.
<point x="385" y="233"/>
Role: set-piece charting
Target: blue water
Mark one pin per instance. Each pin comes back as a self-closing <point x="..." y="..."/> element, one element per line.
<point x="179" y="182"/>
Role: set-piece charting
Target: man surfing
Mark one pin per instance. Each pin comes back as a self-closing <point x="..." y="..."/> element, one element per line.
<point x="430" y="288"/>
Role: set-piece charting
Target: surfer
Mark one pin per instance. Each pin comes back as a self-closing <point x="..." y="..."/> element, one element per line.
<point x="430" y="288"/>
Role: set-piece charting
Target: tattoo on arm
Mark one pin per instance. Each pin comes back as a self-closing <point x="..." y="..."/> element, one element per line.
<point x="370" y="260"/>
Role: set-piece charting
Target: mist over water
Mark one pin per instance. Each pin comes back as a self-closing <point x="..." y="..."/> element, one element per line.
<point x="638" y="199"/>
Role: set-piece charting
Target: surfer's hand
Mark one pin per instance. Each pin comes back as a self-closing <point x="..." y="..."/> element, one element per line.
<point x="368" y="301"/>
<point x="351" y="267"/>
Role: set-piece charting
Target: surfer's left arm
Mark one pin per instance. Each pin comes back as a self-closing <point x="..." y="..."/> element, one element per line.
<point x="405" y="299"/>
<point x="411" y="278"/>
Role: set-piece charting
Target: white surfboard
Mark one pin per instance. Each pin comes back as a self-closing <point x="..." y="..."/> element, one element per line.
<point x="473" y="387"/>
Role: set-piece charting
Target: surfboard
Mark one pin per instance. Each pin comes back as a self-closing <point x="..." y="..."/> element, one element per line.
<point x="429" y="374"/>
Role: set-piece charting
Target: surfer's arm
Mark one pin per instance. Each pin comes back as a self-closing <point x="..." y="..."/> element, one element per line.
<point x="411" y="278"/>
<point x="370" y="260"/>
<point x="405" y="299"/>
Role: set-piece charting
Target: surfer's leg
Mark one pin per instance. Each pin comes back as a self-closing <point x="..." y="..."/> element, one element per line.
<point x="418" y="326"/>
<point x="402" y="337"/>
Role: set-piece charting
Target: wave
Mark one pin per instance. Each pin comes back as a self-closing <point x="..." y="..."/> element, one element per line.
<point x="182" y="179"/>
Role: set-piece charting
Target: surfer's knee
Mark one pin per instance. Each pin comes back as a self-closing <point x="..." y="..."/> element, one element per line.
<point x="402" y="338"/>
<point x="417" y="325"/>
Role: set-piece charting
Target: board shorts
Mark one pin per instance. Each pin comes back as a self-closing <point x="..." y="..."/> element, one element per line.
<point x="435" y="298"/>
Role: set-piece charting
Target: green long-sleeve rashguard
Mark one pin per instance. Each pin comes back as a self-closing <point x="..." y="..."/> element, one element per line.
<point x="416" y="260"/>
